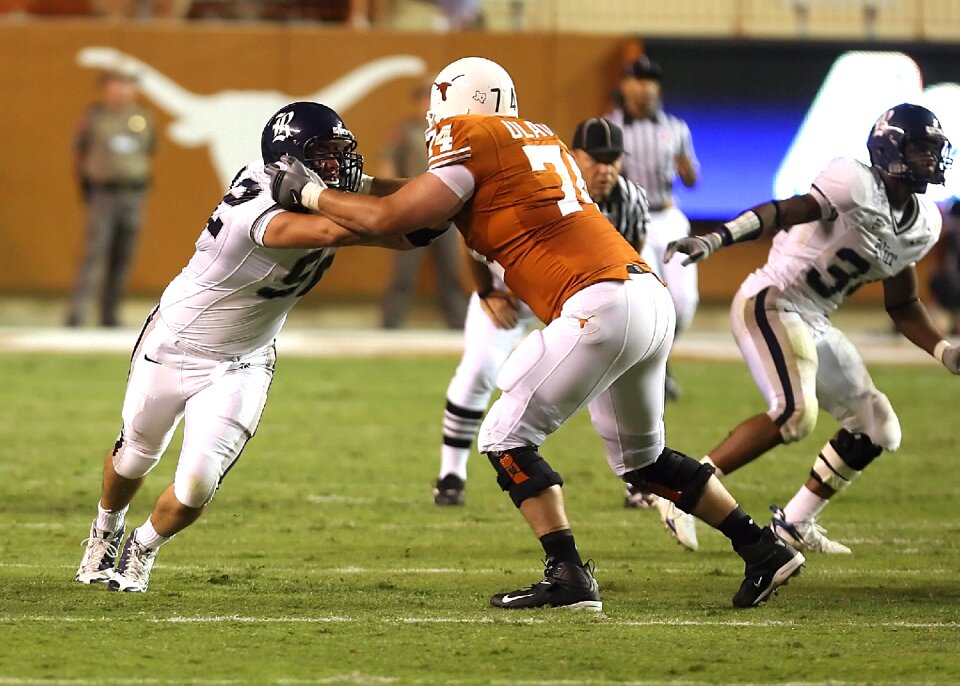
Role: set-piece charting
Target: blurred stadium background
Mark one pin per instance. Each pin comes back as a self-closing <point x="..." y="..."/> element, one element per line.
<point x="770" y="88"/>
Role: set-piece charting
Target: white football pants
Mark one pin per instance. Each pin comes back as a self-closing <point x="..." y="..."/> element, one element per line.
<point x="607" y="350"/>
<point x="800" y="368"/>
<point x="220" y="402"/>
<point x="665" y="226"/>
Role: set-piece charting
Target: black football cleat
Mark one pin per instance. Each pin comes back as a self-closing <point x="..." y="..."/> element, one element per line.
<point x="565" y="584"/>
<point x="769" y="564"/>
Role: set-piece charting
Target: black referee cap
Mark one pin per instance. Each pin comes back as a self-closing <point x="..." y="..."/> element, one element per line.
<point x="644" y="68"/>
<point x="598" y="138"/>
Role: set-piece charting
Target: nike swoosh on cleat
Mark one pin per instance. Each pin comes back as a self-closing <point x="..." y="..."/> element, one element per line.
<point x="510" y="598"/>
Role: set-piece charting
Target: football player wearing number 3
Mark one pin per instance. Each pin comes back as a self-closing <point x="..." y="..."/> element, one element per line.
<point x="859" y="223"/>
<point x="206" y="353"/>
<point x="515" y="193"/>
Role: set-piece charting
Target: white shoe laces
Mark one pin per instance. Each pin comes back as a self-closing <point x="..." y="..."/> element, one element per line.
<point x="138" y="564"/>
<point x="97" y="549"/>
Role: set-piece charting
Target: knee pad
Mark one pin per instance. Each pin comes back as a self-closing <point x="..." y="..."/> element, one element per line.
<point x="196" y="485"/>
<point x="884" y="426"/>
<point x="801" y="421"/>
<point x="843" y="458"/>
<point x="522" y="472"/>
<point x="130" y="460"/>
<point x="683" y="478"/>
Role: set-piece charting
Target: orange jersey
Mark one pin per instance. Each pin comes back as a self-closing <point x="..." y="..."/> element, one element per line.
<point x="530" y="209"/>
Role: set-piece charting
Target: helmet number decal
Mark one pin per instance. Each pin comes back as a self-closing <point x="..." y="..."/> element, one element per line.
<point x="557" y="160"/>
<point x="513" y="99"/>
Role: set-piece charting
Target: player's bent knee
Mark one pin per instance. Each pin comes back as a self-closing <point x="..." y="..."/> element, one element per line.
<point x="684" y="478"/>
<point x="132" y="461"/>
<point x="801" y="422"/>
<point x="884" y="427"/>
<point x="522" y="472"/>
<point x="195" y="489"/>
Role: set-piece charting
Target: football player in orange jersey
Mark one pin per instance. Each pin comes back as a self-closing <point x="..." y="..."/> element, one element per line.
<point x="515" y="193"/>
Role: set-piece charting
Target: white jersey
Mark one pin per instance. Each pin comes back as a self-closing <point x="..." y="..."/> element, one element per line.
<point x="817" y="265"/>
<point x="234" y="294"/>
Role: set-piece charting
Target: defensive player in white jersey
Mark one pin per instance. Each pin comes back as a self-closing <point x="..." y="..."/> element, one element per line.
<point x="496" y="319"/>
<point x="857" y="224"/>
<point x="206" y="353"/>
<point x="512" y="189"/>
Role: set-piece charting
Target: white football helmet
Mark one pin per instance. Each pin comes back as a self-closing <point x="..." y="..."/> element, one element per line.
<point x="471" y="85"/>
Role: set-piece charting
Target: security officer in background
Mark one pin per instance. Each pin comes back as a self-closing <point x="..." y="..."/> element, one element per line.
<point x="114" y="147"/>
<point x="659" y="149"/>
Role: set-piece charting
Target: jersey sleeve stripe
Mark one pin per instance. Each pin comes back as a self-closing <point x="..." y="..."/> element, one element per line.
<point x="454" y="155"/>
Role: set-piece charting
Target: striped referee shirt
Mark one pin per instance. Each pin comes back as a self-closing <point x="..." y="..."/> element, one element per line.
<point x="626" y="208"/>
<point x="651" y="147"/>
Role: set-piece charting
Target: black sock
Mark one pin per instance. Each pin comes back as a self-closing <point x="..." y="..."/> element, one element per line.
<point x="559" y="546"/>
<point x="740" y="528"/>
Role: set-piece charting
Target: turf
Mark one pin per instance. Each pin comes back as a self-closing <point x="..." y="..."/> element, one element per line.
<point x="324" y="560"/>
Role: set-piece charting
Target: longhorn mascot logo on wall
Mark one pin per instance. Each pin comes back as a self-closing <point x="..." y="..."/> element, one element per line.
<point x="230" y="122"/>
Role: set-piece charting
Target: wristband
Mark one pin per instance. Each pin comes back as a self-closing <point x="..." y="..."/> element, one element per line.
<point x="366" y="182"/>
<point x="742" y="228"/>
<point x="310" y="195"/>
<point x="939" y="349"/>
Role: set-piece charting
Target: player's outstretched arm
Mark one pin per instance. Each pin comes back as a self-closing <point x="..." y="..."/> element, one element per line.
<point x="763" y="220"/>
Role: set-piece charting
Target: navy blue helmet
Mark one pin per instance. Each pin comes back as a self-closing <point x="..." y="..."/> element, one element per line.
<point x="905" y="124"/>
<point x="315" y="135"/>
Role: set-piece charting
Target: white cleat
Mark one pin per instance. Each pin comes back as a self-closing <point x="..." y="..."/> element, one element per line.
<point x="96" y="566"/>
<point x="681" y="525"/>
<point x="133" y="570"/>
<point x="805" y="535"/>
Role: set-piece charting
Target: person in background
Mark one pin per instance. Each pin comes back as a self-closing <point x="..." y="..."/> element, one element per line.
<point x="512" y="189"/>
<point x="496" y="319"/>
<point x="114" y="148"/>
<point x="406" y="157"/>
<point x="945" y="277"/>
<point x="859" y="223"/>
<point x="659" y="150"/>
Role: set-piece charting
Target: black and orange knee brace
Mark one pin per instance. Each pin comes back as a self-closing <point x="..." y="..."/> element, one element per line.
<point x="522" y="472"/>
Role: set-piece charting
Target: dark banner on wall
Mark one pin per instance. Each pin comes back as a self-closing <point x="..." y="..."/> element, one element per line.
<point x="767" y="117"/>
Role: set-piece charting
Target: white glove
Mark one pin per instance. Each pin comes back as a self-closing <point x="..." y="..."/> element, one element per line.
<point x="697" y="248"/>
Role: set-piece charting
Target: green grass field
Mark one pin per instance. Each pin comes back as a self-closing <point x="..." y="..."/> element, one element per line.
<point x="323" y="559"/>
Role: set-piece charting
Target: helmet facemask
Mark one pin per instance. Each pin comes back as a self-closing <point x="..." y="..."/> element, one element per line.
<point x="908" y="143"/>
<point x="335" y="162"/>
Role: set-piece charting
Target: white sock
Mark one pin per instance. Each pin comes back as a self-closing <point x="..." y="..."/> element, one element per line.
<point x="804" y="505"/>
<point x="717" y="471"/>
<point x="148" y="537"/>
<point x="110" y="520"/>
<point x="454" y="461"/>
